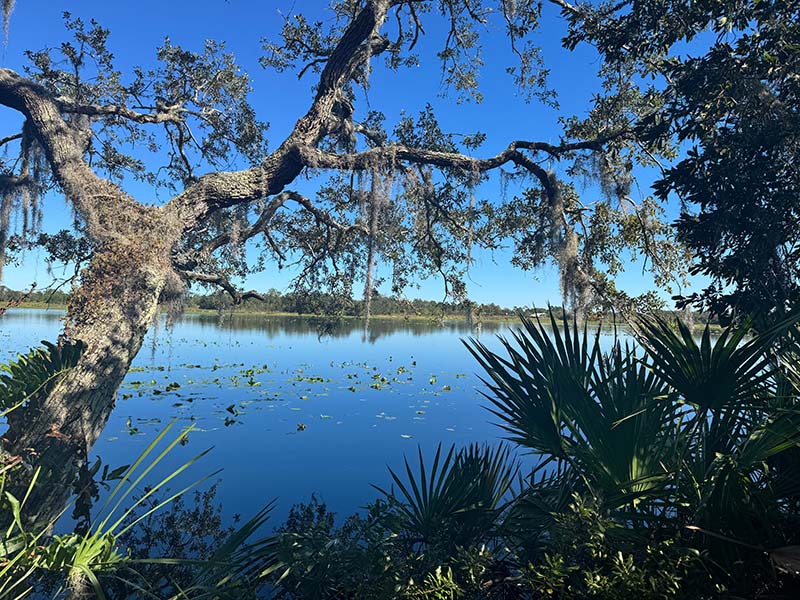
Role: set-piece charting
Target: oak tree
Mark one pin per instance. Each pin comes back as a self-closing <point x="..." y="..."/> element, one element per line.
<point x="396" y="191"/>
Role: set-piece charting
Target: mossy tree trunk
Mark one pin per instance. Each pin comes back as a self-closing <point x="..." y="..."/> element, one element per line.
<point x="110" y="312"/>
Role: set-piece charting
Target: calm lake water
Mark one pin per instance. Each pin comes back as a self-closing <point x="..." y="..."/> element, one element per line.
<point x="249" y="384"/>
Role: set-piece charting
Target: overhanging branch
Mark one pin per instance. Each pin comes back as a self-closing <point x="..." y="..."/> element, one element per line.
<point x="170" y="115"/>
<point x="315" y="158"/>
<point x="223" y="283"/>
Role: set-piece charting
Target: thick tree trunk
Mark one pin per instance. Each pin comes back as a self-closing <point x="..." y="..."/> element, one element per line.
<point x="110" y="312"/>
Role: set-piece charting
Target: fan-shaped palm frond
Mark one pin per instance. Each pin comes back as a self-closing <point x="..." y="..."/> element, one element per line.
<point x="35" y="371"/>
<point x="539" y="501"/>
<point x="545" y="372"/>
<point x="458" y="498"/>
<point x="625" y="443"/>
<point x="560" y="396"/>
<point x="731" y="371"/>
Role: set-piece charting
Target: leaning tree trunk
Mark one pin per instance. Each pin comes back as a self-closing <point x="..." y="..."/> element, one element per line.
<point x="111" y="311"/>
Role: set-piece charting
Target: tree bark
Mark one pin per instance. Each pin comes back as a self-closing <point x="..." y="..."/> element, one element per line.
<point x="111" y="311"/>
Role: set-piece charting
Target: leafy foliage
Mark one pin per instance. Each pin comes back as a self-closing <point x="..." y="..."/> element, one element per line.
<point x="730" y="97"/>
<point x="387" y="221"/>
<point x="35" y="372"/>
<point x="589" y="556"/>
<point x="95" y="560"/>
<point x="98" y="561"/>
<point x="459" y="501"/>
<point x="663" y="471"/>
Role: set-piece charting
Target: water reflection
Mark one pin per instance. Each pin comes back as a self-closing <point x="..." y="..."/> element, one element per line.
<point x="336" y="328"/>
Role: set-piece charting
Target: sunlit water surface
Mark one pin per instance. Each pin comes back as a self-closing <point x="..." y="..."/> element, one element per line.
<point x="292" y="406"/>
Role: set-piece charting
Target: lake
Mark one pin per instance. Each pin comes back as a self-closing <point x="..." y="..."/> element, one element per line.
<point x="292" y="406"/>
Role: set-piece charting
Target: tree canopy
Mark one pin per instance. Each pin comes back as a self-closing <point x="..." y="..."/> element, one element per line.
<point x="394" y="190"/>
<point x="706" y="92"/>
<point x="731" y="101"/>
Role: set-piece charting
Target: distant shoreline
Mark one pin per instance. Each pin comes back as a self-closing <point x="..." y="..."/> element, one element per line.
<point x="264" y="313"/>
<point x="388" y="317"/>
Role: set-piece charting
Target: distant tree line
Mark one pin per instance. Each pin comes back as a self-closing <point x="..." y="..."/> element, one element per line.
<point x="309" y="303"/>
<point x="322" y="303"/>
<point x="46" y="296"/>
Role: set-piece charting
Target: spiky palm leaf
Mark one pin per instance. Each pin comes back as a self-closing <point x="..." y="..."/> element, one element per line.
<point x="560" y="396"/>
<point x="539" y="501"/>
<point x="35" y="372"/>
<point x="458" y="498"/>
<point x="733" y="371"/>
<point x="624" y="443"/>
<point x="545" y="372"/>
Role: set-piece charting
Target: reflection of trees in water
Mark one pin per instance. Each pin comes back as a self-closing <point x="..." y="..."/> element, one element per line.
<point x="45" y="316"/>
<point x="333" y="327"/>
<point x="274" y="326"/>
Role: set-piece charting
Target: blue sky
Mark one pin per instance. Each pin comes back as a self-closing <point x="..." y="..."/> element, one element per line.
<point x="137" y="28"/>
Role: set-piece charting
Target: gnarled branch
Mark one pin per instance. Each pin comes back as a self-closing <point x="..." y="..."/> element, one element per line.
<point x="63" y="146"/>
<point x="171" y="115"/>
<point x="220" y="281"/>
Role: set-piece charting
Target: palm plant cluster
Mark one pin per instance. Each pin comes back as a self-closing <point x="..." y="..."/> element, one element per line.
<point x="663" y="470"/>
<point x="667" y="469"/>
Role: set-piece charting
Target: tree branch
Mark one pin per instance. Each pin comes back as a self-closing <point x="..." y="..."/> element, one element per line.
<point x="223" y="189"/>
<point x="261" y="225"/>
<point x="63" y="146"/>
<point x="171" y="115"/>
<point x="7" y="182"/>
<point x="320" y="215"/>
<point x="315" y="158"/>
<point x="566" y="6"/>
<point x="10" y="138"/>
<point x="222" y="282"/>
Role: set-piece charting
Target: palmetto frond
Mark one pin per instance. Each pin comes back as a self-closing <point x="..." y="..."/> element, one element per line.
<point x="545" y="372"/>
<point x="558" y="395"/>
<point x="711" y="377"/>
<point x="458" y="498"/>
<point x="681" y="432"/>
<point x="35" y="371"/>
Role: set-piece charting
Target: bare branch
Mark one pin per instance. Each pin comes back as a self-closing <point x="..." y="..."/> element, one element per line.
<point x="566" y="6"/>
<point x="10" y="138"/>
<point x="261" y="226"/>
<point x="63" y="146"/>
<point x="222" y="282"/>
<point x="169" y="115"/>
<point x="320" y="215"/>
<point x="364" y="160"/>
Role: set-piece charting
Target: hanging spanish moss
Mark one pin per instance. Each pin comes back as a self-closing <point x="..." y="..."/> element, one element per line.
<point x="5" y="216"/>
<point x="8" y="8"/>
<point x="576" y="289"/>
<point x="575" y="284"/>
<point x="473" y="182"/>
<point x="510" y="8"/>
<point x="374" y="205"/>
<point x="424" y="193"/>
<point x="614" y="174"/>
<point x="19" y="195"/>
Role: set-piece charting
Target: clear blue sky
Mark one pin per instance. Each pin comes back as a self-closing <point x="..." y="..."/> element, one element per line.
<point x="137" y="28"/>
